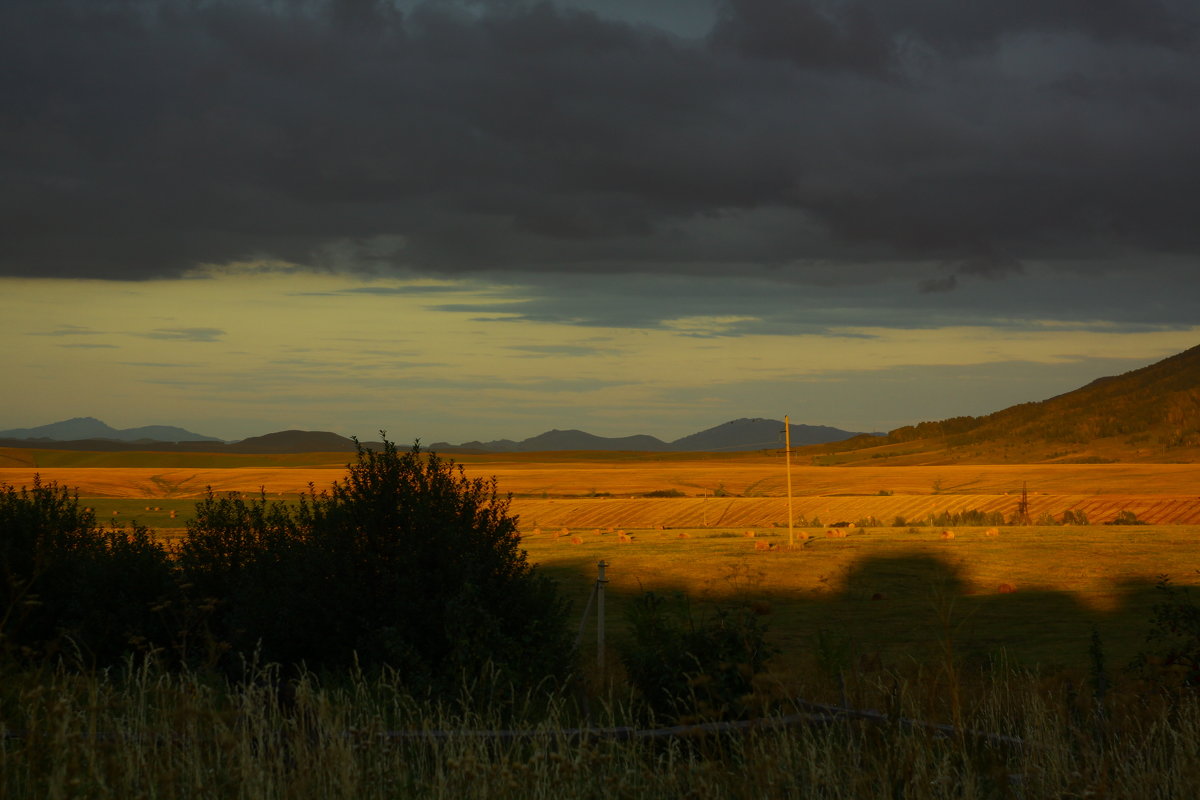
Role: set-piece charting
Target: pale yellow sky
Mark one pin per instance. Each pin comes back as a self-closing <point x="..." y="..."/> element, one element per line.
<point x="244" y="354"/>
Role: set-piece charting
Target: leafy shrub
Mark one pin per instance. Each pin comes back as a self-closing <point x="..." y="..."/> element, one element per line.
<point x="1125" y="517"/>
<point x="1174" y="636"/>
<point x="664" y="493"/>
<point x="407" y="562"/>
<point x="68" y="585"/>
<point x="687" y="669"/>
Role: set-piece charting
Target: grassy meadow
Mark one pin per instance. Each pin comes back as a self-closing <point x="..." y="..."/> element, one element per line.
<point x="1063" y="580"/>
<point x="1003" y="630"/>
<point x="1032" y="595"/>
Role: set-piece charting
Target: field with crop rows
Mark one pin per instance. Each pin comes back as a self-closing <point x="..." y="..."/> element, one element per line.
<point x="603" y="489"/>
<point x="1064" y="580"/>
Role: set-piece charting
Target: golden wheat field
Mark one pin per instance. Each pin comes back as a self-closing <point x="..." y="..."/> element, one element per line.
<point x="736" y="490"/>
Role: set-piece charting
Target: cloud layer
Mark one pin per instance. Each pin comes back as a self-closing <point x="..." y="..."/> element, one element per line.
<point x="800" y="141"/>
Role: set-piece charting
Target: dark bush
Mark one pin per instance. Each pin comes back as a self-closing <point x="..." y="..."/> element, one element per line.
<point x="407" y="562"/>
<point x="1174" y="637"/>
<point x="68" y="585"/>
<point x="689" y="669"/>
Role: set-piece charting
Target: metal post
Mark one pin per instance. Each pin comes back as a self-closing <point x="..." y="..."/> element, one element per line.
<point x="600" y="581"/>
<point x="787" y="459"/>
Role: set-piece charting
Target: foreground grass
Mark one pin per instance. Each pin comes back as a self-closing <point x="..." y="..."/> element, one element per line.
<point x="187" y="736"/>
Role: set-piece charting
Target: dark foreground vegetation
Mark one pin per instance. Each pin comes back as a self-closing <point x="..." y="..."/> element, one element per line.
<point x="387" y="638"/>
<point x="406" y="563"/>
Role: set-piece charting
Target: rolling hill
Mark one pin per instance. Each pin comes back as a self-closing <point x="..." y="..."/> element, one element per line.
<point x="1148" y="414"/>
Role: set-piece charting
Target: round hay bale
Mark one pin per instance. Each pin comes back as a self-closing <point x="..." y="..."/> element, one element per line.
<point x="576" y="540"/>
<point x="683" y="535"/>
<point x="947" y="534"/>
<point x="748" y="533"/>
<point x="1006" y="588"/>
<point x="761" y="545"/>
<point x="835" y="533"/>
<point x="537" y="531"/>
<point x="877" y="596"/>
<point x="992" y="532"/>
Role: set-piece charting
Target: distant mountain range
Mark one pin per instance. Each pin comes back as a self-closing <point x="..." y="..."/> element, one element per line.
<point x="735" y="435"/>
<point x="81" y="428"/>
<point x="86" y="433"/>
<point x="1149" y="414"/>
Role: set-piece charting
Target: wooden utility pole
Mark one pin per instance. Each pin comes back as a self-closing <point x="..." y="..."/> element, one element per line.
<point x="787" y="459"/>
<point x="601" y="582"/>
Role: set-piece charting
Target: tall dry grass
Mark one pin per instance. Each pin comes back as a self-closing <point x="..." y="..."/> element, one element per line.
<point x="163" y="735"/>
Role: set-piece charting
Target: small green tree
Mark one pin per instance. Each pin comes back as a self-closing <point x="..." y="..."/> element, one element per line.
<point x="66" y="584"/>
<point x="405" y="562"/>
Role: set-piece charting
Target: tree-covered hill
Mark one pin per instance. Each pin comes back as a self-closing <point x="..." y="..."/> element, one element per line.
<point x="1152" y="413"/>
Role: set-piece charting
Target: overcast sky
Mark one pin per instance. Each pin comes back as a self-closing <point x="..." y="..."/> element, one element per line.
<point x="458" y="220"/>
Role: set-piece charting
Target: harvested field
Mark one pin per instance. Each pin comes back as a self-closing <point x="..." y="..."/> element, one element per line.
<point x="555" y="491"/>
<point x="1035" y="593"/>
<point x="151" y="482"/>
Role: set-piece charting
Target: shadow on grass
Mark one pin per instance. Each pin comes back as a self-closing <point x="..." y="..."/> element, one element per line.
<point x="910" y="608"/>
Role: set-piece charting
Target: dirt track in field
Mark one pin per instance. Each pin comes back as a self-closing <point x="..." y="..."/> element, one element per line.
<point x="554" y="494"/>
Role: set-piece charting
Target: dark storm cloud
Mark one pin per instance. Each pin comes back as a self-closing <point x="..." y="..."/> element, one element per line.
<point x="1086" y="296"/>
<point x="796" y="139"/>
